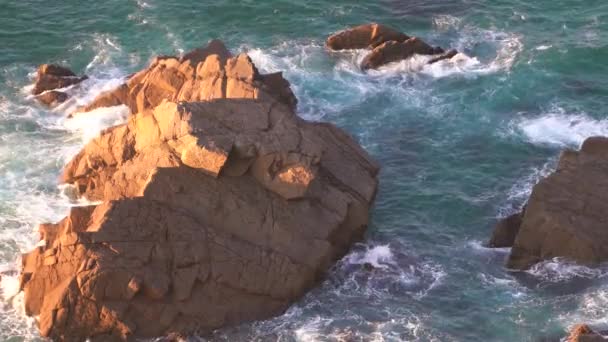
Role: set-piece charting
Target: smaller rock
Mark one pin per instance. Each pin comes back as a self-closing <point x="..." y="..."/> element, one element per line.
<point x="52" y="76"/>
<point x="52" y="98"/>
<point x="55" y="70"/>
<point x="506" y="231"/>
<point x="364" y="37"/>
<point x="446" y="55"/>
<point x="583" y="333"/>
<point x="394" y="51"/>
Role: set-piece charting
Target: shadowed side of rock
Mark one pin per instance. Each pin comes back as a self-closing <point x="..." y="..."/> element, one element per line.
<point x="50" y="77"/>
<point x="565" y="215"/>
<point x="213" y="213"/>
<point x="200" y="75"/>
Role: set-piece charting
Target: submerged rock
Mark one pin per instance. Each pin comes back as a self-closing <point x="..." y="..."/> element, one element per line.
<point x="388" y="45"/>
<point x="583" y="333"/>
<point x="366" y="36"/>
<point x="200" y="75"/>
<point x="566" y="213"/>
<point x="50" y="77"/>
<point x="212" y="213"/>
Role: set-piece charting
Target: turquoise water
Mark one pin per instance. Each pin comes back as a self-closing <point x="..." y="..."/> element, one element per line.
<point x="461" y="143"/>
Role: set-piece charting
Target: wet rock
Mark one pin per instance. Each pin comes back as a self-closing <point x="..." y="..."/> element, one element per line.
<point x="213" y="212"/>
<point x="52" y="97"/>
<point x="388" y="45"/>
<point x="203" y="74"/>
<point x="583" y="333"/>
<point x="565" y="215"/>
<point x="50" y="77"/>
<point x="364" y="37"/>
<point x="506" y="231"/>
<point x="446" y="55"/>
<point x="393" y="51"/>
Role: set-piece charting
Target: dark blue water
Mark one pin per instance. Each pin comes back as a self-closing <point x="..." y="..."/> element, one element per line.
<point x="460" y="144"/>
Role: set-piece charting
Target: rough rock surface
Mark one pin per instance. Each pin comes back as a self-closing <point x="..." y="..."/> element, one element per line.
<point x="50" y="77"/>
<point x="52" y="97"/>
<point x="212" y="214"/>
<point x="364" y="37"/>
<point x="583" y="333"/>
<point x="387" y="44"/>
<point x="506" y="231"/>
<point x="566" y="213"/>
<point x="201" y="75"/>
<point x="393" y="51"/>
<point x="446" y="55"/>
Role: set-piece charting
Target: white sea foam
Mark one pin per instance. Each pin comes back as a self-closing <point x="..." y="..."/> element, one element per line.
<point x="391" y="271"/>
<point x="446" y="22"/>
<point x="143" y="4"/>
<point x="459" y="64"/>
<point x="91" y="123"/>
<point x="13" y="319"/>
<point x="519" y="193"/>
<point x="559" y="270"/>
<point x="377" y="256"/>
<point x="479" y="247"/>
<point x="559" y="129"/>
<point x="543" y="47"/>
<point x="592" y="308"/>
<point x="437" y="274"/>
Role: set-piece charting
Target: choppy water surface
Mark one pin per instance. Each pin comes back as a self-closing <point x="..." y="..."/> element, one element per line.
<point x="460" y="144"/>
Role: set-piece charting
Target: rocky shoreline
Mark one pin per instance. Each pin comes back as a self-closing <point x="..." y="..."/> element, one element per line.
<point x="219" y="205"/>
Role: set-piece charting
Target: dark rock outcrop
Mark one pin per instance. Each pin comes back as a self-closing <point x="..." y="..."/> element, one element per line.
<point x="506" y="231"/>
<point x="388" y="45"/>
<point x="566" y="213"/>
<point x="393" y="51"/>
<point x="212" y="213"/>
<point x="201" y="75"/>
<point x="52" y="97"/>
<point x="50" y="77"/>
<point x="583" y="333"/>
<point x="446" y="55"/>
<point x="366" y="36"/>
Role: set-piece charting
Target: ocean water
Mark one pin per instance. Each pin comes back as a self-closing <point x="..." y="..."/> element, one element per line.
<point x="461" y="143"/>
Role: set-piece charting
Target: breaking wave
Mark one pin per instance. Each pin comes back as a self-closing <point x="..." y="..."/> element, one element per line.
<point x="561" y="130"/>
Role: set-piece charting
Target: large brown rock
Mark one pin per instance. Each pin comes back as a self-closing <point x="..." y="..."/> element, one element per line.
<point x="583" y="333"/>
<point x="51" y="76"/>
<point x="566" y="213"/>
<point x="201" y="75"/>
<point x="393" y="51"/>
<point x="364" y="37"/>
<point x="211" y="214"/>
